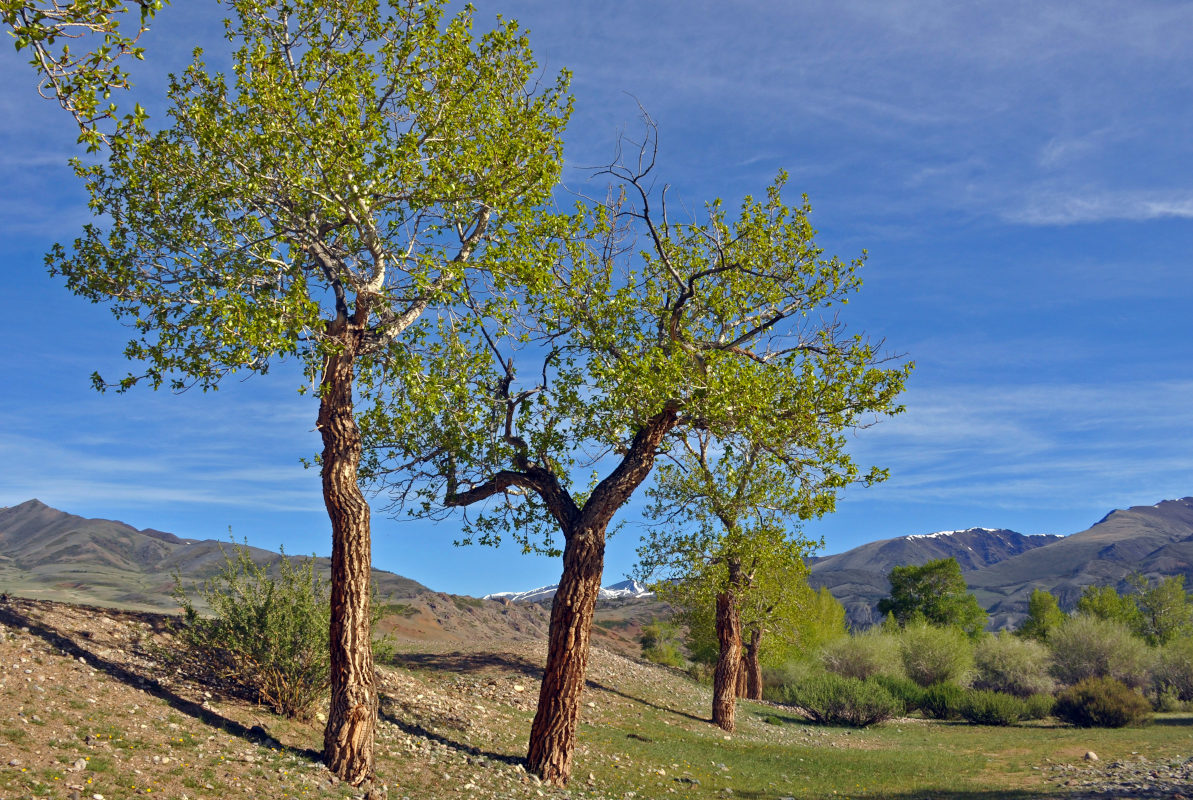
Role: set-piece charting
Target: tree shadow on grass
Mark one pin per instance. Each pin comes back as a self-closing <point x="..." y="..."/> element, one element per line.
<point x="468" y="663"/>
<point x="15" y="615"/>
<point x="388" y="713"/>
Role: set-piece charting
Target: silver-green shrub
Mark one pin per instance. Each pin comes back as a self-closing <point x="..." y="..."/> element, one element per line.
<point x="932" y="654"/>
<point x="1013" y="665"/>
<point x="865" y="655"/>
<point x="1173" y="673"/>
<point x="1088" y="647"/>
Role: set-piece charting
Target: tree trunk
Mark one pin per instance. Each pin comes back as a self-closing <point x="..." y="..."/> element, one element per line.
<point x="553" y="734"/>
<point x="753" y="668"/>
<point x="739" y="689"/>
<point x="724" y="686"/>
<point x="348" y="739"/>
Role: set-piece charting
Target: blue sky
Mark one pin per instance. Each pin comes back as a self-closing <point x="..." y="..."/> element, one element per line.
<point x="1018" y="172"/>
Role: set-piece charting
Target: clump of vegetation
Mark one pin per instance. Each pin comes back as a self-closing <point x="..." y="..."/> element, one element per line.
<point x="268" y="634"/>
<point x="1086" y="646"/>
<point x="1018" y="666"/>
<point x="831" y="699"/>
<point x="932" y="654"/>
<point x="660" y="643"/>
<point x="865" y="655"/>
<point x="985" y="707"/>
<point x="1173" y="673"/>
<point x="1102" y="703"/>
<point x="903" y="689"/>
<point x="942" y="701"/>
<point x="1038" y="706"/>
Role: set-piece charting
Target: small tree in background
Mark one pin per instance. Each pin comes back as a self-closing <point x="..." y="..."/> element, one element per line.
<point x="1105" y="603"/>
<point x="1165" y="610"/>
<point x="1091" y="647"/>
<point x="935" y="593"/>
<point x="1043" y="616"/>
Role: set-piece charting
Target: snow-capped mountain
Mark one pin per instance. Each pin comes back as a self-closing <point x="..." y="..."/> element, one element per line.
<point x="625" y="590"/>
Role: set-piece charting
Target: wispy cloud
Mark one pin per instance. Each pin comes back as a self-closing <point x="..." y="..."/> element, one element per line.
<point x="1059" y="207"/>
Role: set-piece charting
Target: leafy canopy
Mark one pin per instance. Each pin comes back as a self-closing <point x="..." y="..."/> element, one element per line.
<point x="936" y="593"/>
<point x="356" y="159"/>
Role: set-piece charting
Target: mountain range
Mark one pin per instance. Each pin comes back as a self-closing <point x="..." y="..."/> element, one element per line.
<point x="626" y="590"/>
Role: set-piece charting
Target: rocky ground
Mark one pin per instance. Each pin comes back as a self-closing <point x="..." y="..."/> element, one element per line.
<point x="1137" y="777"/>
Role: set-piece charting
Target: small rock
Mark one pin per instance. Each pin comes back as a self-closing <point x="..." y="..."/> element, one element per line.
<point x="519" y="687"/>
<point x="80" y="764"/>
<point x="1091" y="756"/>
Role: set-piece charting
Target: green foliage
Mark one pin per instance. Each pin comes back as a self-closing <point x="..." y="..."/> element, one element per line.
<point x="266" y="633"/>
<point x="660" y="643"/>
<point x="1038" y="706"/>
<point x="1174" y="669"/>
<point x="76" y="48"/>
<point x="835" y="700"/>
<point x="1104" y="602"/>
<point x="864" y="655"/>
<point x="984" y="707"/>
<point x="903" y="689"/>
<point x="935" y="592"/>
<point x="1102" y="703"/>
<point x="1018" y="666"/>
<point x="935" y="655"/>
<point x="942" y="701"/>
<point x="1165" y="609"/>
<point x="1043" y="616"/>
<point x="1091" y="647"/>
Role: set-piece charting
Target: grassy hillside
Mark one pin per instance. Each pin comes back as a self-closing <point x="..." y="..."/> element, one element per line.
<point x="92" y="702"/>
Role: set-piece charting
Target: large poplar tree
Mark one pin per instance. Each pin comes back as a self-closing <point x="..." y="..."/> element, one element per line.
<point x="648" y="327"/>
<point x="312" y="207"/>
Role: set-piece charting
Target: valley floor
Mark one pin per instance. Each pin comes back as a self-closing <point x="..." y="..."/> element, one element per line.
<point x="90" y="709"/>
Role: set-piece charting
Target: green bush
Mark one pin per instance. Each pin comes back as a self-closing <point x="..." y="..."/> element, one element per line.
<point x="1102" y="703"/>
<point x="905" y="690"/>
<point x="1173" y="674"/>
<point x="942" y="701"/>
<point x="935" y="655"/>
<point x="1089" y="647"/>
<point x="1014" y="665"/>
<point x="660" y="643"/>
<point x="864" y="655"/>
<point x="984" y="707"/>
<point x="1038" y="706"/>
<point x="267" y="634"/>
<point x="831" y="699"/>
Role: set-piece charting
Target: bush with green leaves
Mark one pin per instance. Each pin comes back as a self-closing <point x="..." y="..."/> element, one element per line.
<point x="1102" y="703"/>
<point x="1038" y="706"/>
<point x="1173" y="672"/>
<point x="903" y="689"/>
<point x="1086" y="646"/>
<point x="863" y="655"/>
<point x="1014" y="665"/>
<point x="984" y="707"/>
<point x="267" y="633"/>
<point x="832" y="699"/>
<point x="933" y="654"/>
<point x="942" y="701"/>
<point x="660" y="643"/>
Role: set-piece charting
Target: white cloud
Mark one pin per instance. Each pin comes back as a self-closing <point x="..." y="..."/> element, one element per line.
<point x="1060" y="207"/>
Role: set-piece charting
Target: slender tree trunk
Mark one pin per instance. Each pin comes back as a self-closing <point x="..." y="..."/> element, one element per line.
<point x="739" y="689"/>
<point x="753" y="668"/>
<point x="348" y="739"/>
<point x="553" y="734"/>
<point x="724" y="686"/>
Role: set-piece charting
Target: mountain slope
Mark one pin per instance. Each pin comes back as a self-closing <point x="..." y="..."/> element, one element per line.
<point x="50" y="554"/>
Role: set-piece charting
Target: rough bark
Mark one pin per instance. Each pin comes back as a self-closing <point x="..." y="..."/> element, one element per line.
<point x="739" y="688"/>
<point x="351" y="721"/>
<point x="752" y="667"/>
<point x="553" y="733"/>
<point x="724" y="699"/>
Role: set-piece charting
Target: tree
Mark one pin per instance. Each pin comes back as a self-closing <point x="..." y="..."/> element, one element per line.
<point x="935" y="592"/>
<point x="1165" y="608"/>
<point x="1043" y="616"/>
<point x="82" y="79"/>
<point x="361" y="162"/>
<point x="649" y="327"/>
<point x="1104" y="602"/>
<point x="722" y="504"/>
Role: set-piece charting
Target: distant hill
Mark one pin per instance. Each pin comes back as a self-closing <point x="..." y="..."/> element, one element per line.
<point x="625" y="590"/>
<point x="858" y="577"/>
<point x="52" y="555"/>
<point x="1002" y="567"/>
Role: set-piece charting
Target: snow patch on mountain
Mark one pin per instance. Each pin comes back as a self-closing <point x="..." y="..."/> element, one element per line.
<point x="624" y="590"/>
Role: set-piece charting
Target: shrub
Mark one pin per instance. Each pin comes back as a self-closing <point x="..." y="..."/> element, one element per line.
<point x="776" y="680"/>
<point x="1006" y="663"/>
<point x="935" y="655"/>
<point x="1173" y="672"/>
<point x="942" y="701"/>
<point x="835" y="700"/>
<point x="267" y="634"/>
<point x="660" y="643"/>
<point x="905" y="690"/>
<point x="864" y="655"/>
<point x="1102" y="703"/>
<point x="984" y="707"/>
<point x="1038" y="706"/>
<point x="1090" y="647"/>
